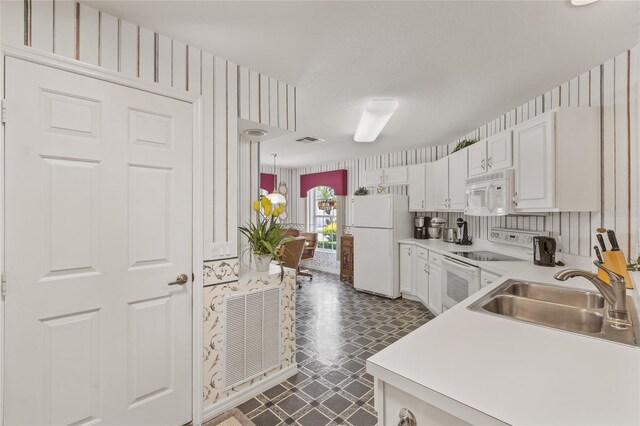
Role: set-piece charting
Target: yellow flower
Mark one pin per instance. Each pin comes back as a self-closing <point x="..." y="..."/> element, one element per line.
<point x="256" y="205"/>
<point x="278" y="210"/>
<point x="266" y="203"/>
<point x="267" y="210"/>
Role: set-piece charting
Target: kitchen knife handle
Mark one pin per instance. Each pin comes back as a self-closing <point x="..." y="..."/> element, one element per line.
<point x="601" y="241"/>
<point x="598" y="255"/>
<point x="613" y="240"/>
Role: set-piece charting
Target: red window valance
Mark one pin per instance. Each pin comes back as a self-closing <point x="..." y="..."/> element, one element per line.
<point x="267" y="182"/>
<point x="336" y="179"/>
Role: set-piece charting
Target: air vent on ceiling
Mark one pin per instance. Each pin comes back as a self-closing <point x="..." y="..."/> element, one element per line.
<point x="309" y="139"/>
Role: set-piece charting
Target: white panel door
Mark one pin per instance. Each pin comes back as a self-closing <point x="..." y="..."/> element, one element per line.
<point x="534" y="150"/>
<point x="98" y="219"/>
<point x="457" y="180"/>
<point x="417" y="190"/>
<point x="499" y="151"/>
<point x="478" y="158"/>
<point x="440" y="183"/>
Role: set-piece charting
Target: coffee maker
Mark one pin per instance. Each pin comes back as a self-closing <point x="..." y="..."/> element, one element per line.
<point x="420" y="227"/>
<point x="544" y="251"/>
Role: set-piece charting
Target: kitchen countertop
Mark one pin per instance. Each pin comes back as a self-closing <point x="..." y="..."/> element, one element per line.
<point x="514" y="372"/>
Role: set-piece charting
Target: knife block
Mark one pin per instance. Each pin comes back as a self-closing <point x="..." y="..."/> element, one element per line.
<point x="615" y="261"/>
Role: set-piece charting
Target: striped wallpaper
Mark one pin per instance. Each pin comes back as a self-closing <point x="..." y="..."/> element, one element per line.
<point x="612" y="86"/>
<point x="229" y="91"/>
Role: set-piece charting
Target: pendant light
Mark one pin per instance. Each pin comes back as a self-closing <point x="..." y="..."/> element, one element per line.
<point x="275" y="197"/>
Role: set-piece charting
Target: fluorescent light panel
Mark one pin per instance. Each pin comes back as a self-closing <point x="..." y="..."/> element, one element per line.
<point x="375" y="116"/>
<point x="582" y="2"/>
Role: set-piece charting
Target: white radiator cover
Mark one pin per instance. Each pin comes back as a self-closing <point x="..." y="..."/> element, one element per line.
<point x="253" y="341"/>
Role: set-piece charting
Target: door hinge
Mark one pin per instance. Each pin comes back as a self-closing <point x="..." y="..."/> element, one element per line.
<point x="3" y="284"/>
<point x="3" y="114"/>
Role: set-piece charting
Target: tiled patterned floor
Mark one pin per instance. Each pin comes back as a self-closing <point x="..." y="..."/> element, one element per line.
<point x="337" y="329"/>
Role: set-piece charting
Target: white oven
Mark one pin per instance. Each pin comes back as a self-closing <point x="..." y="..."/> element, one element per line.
<point x="490" y="194"/>
<point x="459" y="281"/>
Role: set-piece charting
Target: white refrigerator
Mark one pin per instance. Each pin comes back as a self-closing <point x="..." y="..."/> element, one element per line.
<point x="379" y="221"/>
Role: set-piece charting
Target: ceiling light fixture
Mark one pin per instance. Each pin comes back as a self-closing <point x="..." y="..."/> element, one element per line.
<point x="375" y="116"/>
<point x="275" y="197"/>
<point x="582" y="2"/>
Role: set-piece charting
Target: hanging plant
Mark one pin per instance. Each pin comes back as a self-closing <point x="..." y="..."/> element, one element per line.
<point x="463" y="144"/>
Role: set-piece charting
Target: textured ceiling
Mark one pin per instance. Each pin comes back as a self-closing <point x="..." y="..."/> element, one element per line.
<point x="452" y="65"/>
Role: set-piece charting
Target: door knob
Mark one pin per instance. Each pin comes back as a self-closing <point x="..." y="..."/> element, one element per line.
<point x="180" y="280"/>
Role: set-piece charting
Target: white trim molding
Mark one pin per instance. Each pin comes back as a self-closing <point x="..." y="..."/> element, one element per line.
<point x="236" y="399"/>
<point x="58" y="62"/>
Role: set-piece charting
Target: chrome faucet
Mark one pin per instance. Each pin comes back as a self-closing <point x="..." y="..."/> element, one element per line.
<point x="615" y="294"/>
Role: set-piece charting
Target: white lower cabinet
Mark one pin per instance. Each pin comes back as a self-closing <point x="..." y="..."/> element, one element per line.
<point x="435" y="289"/>
<point x="420" y="276"/>
<point x="406" y="268"/>
<point x="422" y="280"/>
<point x="393" y="400"/>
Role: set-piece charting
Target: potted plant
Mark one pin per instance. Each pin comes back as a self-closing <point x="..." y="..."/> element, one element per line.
<point x="266" y="236"/>
<point x="463" y="144"/>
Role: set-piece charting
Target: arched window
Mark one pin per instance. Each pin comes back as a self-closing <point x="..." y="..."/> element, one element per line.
<point x="323" y="216"/>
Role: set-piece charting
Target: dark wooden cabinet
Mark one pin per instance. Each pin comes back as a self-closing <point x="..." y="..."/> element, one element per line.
<point x="346" y="258"/>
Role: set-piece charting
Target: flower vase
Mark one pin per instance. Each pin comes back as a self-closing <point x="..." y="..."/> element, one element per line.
<point x="262" y="262"/>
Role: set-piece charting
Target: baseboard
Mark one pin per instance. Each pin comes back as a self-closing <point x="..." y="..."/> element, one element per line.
<point x="411" y="297"/>
<point x="244" y="395"/>
<point x="321" y="269"/>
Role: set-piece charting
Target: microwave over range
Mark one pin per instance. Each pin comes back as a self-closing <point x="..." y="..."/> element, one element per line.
<point x="490" y="195"/>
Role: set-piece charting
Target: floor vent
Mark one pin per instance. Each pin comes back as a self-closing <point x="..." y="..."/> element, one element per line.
<point x="252" y="336"/>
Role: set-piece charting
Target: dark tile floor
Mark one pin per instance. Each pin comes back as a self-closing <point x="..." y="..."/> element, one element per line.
<point x="337" y="329"/>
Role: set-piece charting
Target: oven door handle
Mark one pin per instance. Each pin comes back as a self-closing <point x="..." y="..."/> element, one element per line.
<point x="457" y="264"/>
<point x="487" y="198"/>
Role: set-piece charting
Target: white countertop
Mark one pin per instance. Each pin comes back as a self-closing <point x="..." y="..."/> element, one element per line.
<point x="512" y="371"/>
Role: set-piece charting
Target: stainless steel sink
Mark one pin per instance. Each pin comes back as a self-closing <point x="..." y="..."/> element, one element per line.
<point x="576" y="311"/>
<point x="561" y="295"/>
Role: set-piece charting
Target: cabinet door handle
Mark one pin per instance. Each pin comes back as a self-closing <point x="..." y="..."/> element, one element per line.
<point x="482" y="164"/>
<point x="490" y="162"/>
<point x="407" y="418"/>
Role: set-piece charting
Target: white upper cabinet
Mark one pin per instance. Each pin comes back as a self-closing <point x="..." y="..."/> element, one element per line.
<point x="421" y="187"/>
<point x="491" y="154"/>
<point x="499" y="151"/>
<point x="373" y="177"/>
<point x="557" y="161"/>
<point x="477" y="158"/>
<point x="417" y="187"/>
<point x="441" y="183"/>
<point x="389" y="176"/>
<point x="535" y="163"/>
<point x="457" y="179"/>
<point x="396" y="176"/>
